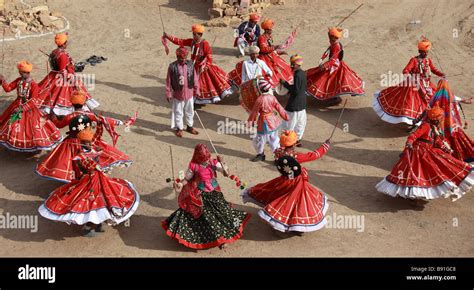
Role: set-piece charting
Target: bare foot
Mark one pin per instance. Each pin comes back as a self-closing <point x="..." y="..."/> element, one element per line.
<point x="223" y="246"/>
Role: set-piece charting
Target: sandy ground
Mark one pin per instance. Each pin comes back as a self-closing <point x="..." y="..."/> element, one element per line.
<point x="133" y="79"/>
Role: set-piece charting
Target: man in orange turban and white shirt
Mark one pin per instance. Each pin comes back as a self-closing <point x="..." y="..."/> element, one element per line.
<point x="182" y="85"/>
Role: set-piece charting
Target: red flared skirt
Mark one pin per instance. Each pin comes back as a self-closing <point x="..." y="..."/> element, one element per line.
<point x="462" y="145"/>
<point x="58" y="164"/>
<point x="94" y="198"/>
<point x="324" y="85"/>
<point x="402" y="103"/>
<point x="289" y="204"/>
<point x="428" y="173"/>
<point x="235" y="76"/>
<point x="31" y="133"/>
<point x="279" y="67"/>
<point x="56" y="90"/>
<point x="214" y="85"/>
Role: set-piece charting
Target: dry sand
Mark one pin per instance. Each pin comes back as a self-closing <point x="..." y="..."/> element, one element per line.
<point x="133" y="79"/>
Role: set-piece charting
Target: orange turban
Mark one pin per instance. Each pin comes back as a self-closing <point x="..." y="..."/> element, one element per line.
<point x="24" y="66"/>
<point x="424" y="45"/>
<point x="60" y="39"/>
<point x="298" y="59"/>
<point x="198" y="28"/>
<point x="288" y="138"/>
<point x="435" y="113"/>
<point x="85" y="135"/>
<point x="254" y="17"/>
<point x="267" y="24"/>
<point x="78" y="98"/>
<point x="336" y="32"/>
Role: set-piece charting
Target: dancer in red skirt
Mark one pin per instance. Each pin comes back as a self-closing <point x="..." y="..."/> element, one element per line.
<point x="290" y="203"/>
<point x="270" y="54"/>
<point x="204" y="219"/>
<point x="58" y="86"/>
<point x="333" y="77"/>
<point x="460" y="143"/>
<point x="405" y="102"/>
<point x="23" y="127"/>
<point x="426" y="169"/>
<point x="213" y="81"/>
<point x="92" y="197"/>
<point x="58" y="164"/>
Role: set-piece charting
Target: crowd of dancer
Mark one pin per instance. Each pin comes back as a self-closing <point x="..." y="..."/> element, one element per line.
<point x="433" y="164"/>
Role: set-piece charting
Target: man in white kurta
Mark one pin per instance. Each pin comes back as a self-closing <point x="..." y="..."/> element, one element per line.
<point x="254" y="67"/>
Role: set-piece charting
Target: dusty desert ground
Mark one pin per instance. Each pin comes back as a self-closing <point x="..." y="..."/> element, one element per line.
<point x="133" y="79"/>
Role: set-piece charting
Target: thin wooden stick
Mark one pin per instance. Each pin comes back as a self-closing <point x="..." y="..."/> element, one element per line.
<point x="338" y="120"/>
<point x="347" y="17"/>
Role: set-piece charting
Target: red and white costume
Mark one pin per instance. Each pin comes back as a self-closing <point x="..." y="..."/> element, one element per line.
<point x="58" y="164"/>
<point x="405" y="102"/>
<point x="267" y="112"/>
<point x="23" y="127"/>
<point x="213" y="81"/>
<point x="61" y="82"/>
<point x="335" y="78"/>
<point x="271" y="56"/>
<point x="92" y="197"/>
<point x="426" y="171"/>
<point x="291" y="204"/>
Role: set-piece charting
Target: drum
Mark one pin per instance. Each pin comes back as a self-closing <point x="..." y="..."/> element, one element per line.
<point x="249" y="93"/>
<point x="281" y="90"/>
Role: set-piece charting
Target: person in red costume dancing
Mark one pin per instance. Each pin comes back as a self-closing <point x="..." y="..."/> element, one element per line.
<point x="268" y="114"/>
<point x="204" y="219"/>
<point x="92" y="198"/>
<point x="58" y="86"/>
<point x="333" y="77"/>
<point x="290" y="203"/>
<point x="58" y="164"/>
<point x="426" y="169"/>
<point x="213" y="81"/>
<point x="405" y="102"/>
<point x="23" y="127"/>
<point x="270" y="54"/>
<point x="459" y="141"/>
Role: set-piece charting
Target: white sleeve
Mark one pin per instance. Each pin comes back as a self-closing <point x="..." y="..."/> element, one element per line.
<point x="189" y="174"/>
<point x="265" y="67"/>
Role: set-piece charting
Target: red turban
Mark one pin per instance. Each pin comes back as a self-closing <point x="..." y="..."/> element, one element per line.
<point x="182" y="52"/>
<point x="201" y="154"/>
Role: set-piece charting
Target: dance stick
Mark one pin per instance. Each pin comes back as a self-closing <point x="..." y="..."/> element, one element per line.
<point x="338" y="120"/>
<point x="347" y="17"/>
<point x="172" y="169"/>
<point x="205" y="131"/>
<point x="161" y="18"/>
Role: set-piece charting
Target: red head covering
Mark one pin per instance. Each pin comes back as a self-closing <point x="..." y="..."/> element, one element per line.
<point x="182" y="52"/>
<point x="201" y="154"/>
<point x="254" y="17"/>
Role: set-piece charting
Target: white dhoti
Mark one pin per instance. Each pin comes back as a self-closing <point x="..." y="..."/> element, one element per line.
<point x="242" y="44"/>
<point x="182" y="112"/>
<point x="259" y="141"/>
<point x="297" y="122"/>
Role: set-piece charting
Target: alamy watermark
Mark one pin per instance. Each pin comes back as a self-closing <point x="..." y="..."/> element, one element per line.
<point x="12" y="221"/>
<point x="231" y="127"/>
<point x="345" y="222"/>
